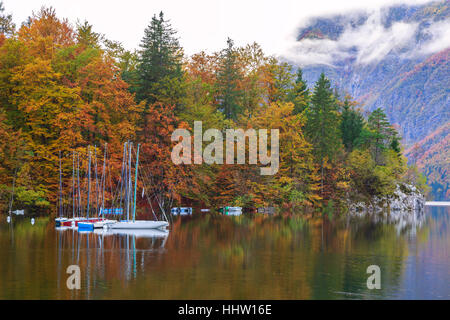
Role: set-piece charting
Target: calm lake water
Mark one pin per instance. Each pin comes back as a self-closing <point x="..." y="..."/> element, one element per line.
<point x="221" y="257"/>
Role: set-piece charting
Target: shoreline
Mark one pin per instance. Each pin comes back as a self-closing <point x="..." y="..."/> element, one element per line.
<point x="437" y="203"/>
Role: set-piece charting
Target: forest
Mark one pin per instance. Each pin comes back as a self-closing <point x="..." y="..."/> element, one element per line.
<point x="65" y="87"/>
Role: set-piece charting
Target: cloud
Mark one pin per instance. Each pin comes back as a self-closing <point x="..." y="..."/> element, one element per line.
<point x="370" y="41"/>
<point x="439" y="32"/>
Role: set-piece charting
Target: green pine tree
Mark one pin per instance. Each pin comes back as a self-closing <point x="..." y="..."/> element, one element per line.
<point x="382" y="134"/>
<point x="299" y="94"/>
<point x="322" y="127"/>
<point x="352" y="124"/>
<point x="7" y="27"/>
<point x="86" y="36"/>
<point x="159" y="69"/>
<point x="228" y="92"/>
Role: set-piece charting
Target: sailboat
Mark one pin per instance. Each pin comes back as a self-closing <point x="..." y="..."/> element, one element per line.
<point x="77" y="207"/>
<point x="133" y="223"/>
<point x="92" y="223"/>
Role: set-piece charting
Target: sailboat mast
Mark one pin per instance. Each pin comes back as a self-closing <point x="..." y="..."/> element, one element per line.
<point x="78" y="186"/>
<point x="60" y="187"/>
<point x="122" y="174"/>
<point x="129" y="182"/>
<point x="96" y="180"/>
<point x="103" y="181"/>
<point x="135" y="182"/>
<point x="73" y="184"/>
<point x="89" y="181"/>
<point x="125" y="178"/>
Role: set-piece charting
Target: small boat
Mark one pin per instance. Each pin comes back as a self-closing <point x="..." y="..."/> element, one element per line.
<point x="75" y="221"/>
<point x="59" y="221"/>
<point x="231" y="211"/>
<point x="62" y="228"/>
<point x="138" y="224"/>
<point x="86" y="225"/>
<point x="266" y="210"/>
<point x="182" y="211"/>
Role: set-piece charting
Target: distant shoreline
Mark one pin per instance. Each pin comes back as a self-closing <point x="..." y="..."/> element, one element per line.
<point x="437" y="203"/>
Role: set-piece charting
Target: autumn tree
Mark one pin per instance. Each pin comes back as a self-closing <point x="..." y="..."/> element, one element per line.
<point x="45" y="33"/>
<point x="296" y="183"/>
<point x="166" y="181"/>
<point x="60" y="92"/>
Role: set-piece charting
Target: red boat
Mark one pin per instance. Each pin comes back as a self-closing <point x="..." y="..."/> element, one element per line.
<point x="69" y="222"/>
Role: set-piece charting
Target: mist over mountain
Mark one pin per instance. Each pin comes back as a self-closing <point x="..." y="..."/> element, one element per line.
<point x="396" y="58"/>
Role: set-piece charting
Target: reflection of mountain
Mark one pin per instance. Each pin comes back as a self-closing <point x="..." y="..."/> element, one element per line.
<point x="396" y="58"/>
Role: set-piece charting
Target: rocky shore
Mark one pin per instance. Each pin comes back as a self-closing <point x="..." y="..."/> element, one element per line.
<point x="406" y="198"/>
<point x="404" y="209"/>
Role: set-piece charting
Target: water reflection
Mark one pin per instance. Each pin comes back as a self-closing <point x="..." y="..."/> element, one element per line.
<point x="406" y="222"/>
<point x="106" y="255"/>
<point x="208" y="256"/>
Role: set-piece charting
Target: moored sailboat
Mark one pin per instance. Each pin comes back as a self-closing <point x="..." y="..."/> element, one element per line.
<point x="134" y="224"/>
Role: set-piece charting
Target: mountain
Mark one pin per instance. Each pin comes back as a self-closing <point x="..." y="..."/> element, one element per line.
<point x="396" y="58"/>
<point x="432" y="157"/>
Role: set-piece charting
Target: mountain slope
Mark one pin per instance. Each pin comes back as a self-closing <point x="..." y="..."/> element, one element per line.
<point x="432" y="157"/>
<point x="396" y="58"/>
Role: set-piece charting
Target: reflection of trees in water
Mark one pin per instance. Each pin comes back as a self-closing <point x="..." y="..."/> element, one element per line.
<point x="290" y="258"/>
<point x="19" y="265"/>
<point x="106" y="257"/>
<point x="209" y="256"/>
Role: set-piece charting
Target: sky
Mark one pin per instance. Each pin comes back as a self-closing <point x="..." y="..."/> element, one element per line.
<point x="201" y="24"/>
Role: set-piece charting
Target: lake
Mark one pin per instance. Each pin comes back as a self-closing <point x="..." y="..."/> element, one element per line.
<point x="220" y="257"/>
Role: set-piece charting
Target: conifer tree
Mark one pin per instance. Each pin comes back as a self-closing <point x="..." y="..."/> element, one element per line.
<point x="228" y="77"/>
<point x="323" y="123"/>
<point x="7" y="27"/>
<point x="351" y="126"/>
<point x="159" y="68"/>
<point x="299" y="95"/>
<point x="86" y="36"/>
<point x="381" y="134"/>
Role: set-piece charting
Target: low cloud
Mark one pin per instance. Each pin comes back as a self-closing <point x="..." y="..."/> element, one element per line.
<point x="370" y="42"/>
<point x="439" y="33"/>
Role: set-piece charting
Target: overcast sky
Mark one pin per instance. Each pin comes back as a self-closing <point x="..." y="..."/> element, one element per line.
<point x="201" y="24"/>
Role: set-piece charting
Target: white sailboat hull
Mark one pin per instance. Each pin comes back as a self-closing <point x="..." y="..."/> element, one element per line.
<point x="139" y="224"/>
<point x="101" y="224"/>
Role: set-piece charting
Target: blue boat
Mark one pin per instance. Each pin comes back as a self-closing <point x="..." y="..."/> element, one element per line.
<point x="85" y="226"/>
